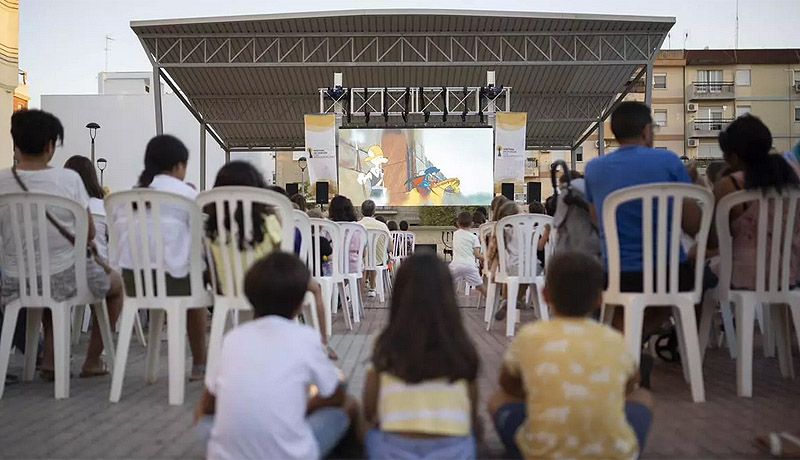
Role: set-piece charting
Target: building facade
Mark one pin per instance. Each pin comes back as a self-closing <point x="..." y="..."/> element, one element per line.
<point x="9" y="75"/>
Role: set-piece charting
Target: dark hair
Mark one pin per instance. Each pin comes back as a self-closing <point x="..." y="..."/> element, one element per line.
<point x="84" y="167"/>
<point x="714" y="171"/>
<point x="424" y="302"/>
<point x="163" y="153"/>
<point x="572" y="176"/>
<point x="33" y="130"/>
<point x="749" y="139"/>
<point x="478" y="218"/>
<point x="368" y="208"/>
<point x="536" y="207"/>
<point x="341" y="209"/>
<point x="403" y="226"/>
<point x="276" y="284"/>
<point x="629" y="119"/>
<point x="279" y="189"/>
<point x="482" y="210"/>
<point x="464" y="220"/>
<point x="299" y="200"/>
<point x="245" y="174"/>
<point x="381" y="219"/>
<point x="497" y="201"/>
<point x="574" y="281"/>
<point x="392" y="225"/>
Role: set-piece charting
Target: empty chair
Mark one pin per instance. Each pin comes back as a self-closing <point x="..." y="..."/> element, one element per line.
<point x="377" y="259"/>
<point x="327" y="274"/>
<point x="354" y="235"/>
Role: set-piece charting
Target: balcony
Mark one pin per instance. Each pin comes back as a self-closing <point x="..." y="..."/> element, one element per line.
<point x="715" y="90"/>
<point x="707" y="127"/>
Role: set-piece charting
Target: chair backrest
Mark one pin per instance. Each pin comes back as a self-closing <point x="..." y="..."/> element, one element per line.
<point x="352" y="230"/>
<point x="550" y="245"/>
<point x="411" y="242"/>
<point x="303" y="226"/>
<point x="324" y="228"/>
<point x="24" y="215"/>
<point x="776" y="231"/>
<point x="399" y="244"/>
<point x="665" y="260"/>
<point x="135" y="215"/>
<point x="227" y="202"/>
<point x="485" y="233"/>
<point x="376" y="257"/>
<point x="523" y="232"/>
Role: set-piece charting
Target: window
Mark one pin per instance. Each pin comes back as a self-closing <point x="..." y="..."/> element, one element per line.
<point x="797" y="114"/>
<point x="709" y="151"/>
<point x="660" y="81"/>
<point x="796" y="76"/>
<point x="660" y="117"/>
<point x="706" y="78"/>
<point x="743" y="77"/>
<point x="579" y="153"/>
<point x="742" y="109"/>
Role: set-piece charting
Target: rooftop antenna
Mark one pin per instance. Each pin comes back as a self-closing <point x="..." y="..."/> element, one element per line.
<point x="736" y="39"/>
<point x="669" y="40"/>
<point x="109" y="39"/>
<point x="685" y="37"/>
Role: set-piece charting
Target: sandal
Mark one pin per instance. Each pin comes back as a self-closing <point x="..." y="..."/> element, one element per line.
<point x="780" y="444"/>
<point x="96" y="372"/>
<point x="198" y="372"/>
<point x="331" y="354"/>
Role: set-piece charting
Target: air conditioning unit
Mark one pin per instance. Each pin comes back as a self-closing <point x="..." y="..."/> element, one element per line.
<point x="693" y="142"/>
<point x="691" y="107"/>
<point x="597" y="144"/>
<point x="797" y="87"/>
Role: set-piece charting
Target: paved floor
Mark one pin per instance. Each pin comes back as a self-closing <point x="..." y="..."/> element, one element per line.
<point x="143" y="425"/>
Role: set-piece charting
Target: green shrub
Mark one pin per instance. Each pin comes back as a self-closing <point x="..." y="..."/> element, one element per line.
<point x="441" y="216"/>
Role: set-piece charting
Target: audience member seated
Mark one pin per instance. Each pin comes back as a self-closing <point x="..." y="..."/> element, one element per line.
<point x="715" y="171"/>
<point x="466" y="252"/>
<point x="568" y="387"/>
<point x="165" y="161"/>
<point x="537" y="207"/>
<point x="93" y="366"/>
<point x="506" y="208"/>
<point x="403" y="226"/>
<point x="35" y="134"/>
<point x="392" y="226"/>
<point x="478" y="219"/>
<point x="497" y="201"/>
<point x="274" y="393"/>
<point x="368" y="220"/>
<point x="420" y="394"/>
<point x="341" y="210"/>
<point x="409" y="243"/>
<point x="299" y="202"/>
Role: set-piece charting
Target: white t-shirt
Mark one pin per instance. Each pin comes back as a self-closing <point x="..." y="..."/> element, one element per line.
<point x="100" y="227"/>
<point x="464" y="242"/>
<point x="61" y="182"/>
<point x="372" y="223"/>
<point x="261" y="389"/>
<point x="174" y="225"/>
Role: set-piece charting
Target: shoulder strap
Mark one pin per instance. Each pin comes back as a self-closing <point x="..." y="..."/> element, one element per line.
<point x="50" y="218"/>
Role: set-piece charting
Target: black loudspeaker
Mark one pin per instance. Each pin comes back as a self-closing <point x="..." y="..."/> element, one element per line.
<point x="292" y="188"/>
<point x="507" y="189"/>
<point x="322" y="193"/>
<point x="534" y="192"/>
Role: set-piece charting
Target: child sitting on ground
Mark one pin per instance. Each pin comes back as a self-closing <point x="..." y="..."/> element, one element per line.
<point x="421" y="391"/>
<point x="466" y="248"/>
<point x="257" y="397"/>
<point x="568" y="385"/>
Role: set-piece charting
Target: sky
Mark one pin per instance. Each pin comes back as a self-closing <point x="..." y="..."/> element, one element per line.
<point x="62" y="42"/>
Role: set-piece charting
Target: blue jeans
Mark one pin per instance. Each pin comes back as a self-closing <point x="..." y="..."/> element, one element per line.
<point x="381" y="444"/>
<point x="510" y="416"/>
<point x="329" y="425"/>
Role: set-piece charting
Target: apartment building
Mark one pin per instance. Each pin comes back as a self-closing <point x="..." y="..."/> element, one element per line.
<point x="695" y="94"/>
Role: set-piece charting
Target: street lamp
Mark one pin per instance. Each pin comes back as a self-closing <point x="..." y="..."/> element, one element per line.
<point x="101" y="165"/>
<point x="92" y="127"/>
<point x="302" y="162"/>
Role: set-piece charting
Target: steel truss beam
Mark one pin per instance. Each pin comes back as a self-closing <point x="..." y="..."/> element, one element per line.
<point x="422" y="49"/>
<point x="396" y="102"/>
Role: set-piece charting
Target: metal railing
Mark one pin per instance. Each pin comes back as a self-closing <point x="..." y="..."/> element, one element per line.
<point x="708" y="126"/>
<point x="713" y="89"/>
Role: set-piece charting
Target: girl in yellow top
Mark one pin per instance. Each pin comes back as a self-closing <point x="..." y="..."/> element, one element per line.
<point x="420" y="392"/>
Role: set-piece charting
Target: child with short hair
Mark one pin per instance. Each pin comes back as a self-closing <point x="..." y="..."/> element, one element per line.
<point x="421" y="391"/>
<point x="569" y="385"/>
<point x="258" y="394"/>
<point x="466" y="249"/>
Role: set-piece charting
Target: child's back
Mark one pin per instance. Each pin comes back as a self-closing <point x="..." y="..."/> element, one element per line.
<point x="464" y="244"/>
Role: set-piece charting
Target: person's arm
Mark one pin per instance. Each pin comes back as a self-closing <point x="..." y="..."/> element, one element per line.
<point x="593" y="215"/>
<point x="511" y="383"/>
<point x="206" y="405"/>
<point x="543" y="239"/>
<point x="369" y="397"/>
<point x="690" y="223"/>
<point x="334" y="400"/>
<point x="323" y="375"/>
<point x="91" y="233"/>
<point x="477" y="253"/>
<point x="722" y="188"/>
<point x="477" y="425"/>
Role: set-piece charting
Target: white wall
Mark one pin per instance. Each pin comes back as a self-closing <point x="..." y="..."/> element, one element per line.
<point x="127" y="123"/>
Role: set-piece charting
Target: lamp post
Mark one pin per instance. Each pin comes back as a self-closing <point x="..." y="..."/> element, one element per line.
<point x="302" y="162"/>
<point x="92" y="127"/>
<point x="101" y="165"/>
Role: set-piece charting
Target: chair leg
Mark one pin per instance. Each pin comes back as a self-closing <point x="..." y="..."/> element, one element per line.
<point x="691" y="351"/>
<point x="352" y="284"/>
<point x="346" y="308"/>
<point x="681" y="344"/>
<point x="379" y="286"/>
<point x="327" y="291"/>
<point x="34" y="324"/>
<point x="87" y="319"/>
<point x="511" y="307"/>
<point x="215" y="336"/>
<point x="6" y="337"/>
<point x="492" y="309"/>
<point x="61" y="345"/>
<point x="490" y="294"/>
<point x="745" y="318"/>
<point x="104" y="323"/>
<point x="795" y="308"/>
<point x="727" y="325"/>
<point x="123" y="345"/>
<point x="543" y="309"/>
<point x="767" y="328"/>
<point x="77" y="323"/>
<point x="709" y="307"/>
<point x="176" y="344"/>
<point x="780" y="322"/>
<point x="139" y="331"/>
<point x="157" y="317"/>
<point x="634" y="317"/>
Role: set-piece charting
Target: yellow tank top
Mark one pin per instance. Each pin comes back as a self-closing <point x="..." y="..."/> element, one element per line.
<point x="271" y="241"/>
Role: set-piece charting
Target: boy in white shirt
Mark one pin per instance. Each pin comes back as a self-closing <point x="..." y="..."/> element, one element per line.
<point x="258" y="394"/>
<point x="466" y="249"/>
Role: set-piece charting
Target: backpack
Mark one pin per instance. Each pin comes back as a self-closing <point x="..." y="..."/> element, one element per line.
<point x="572" y="219"/>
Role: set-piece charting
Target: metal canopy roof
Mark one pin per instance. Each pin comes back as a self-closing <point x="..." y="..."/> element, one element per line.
<point x="252" y="78"/>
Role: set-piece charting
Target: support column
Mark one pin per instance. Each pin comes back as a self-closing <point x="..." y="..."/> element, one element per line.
<point x="202" y="156"/>
<point x="648" y="85"/>
<point x="601" y="137"/>
<point x="227" y="155"/>
<point x="573" y="158"/>
<point x="157" y="99"/>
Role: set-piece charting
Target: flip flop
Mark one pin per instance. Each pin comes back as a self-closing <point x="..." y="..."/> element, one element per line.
<point x="780" y="444"/>
<point x="331" y="354"/>
<point x="198" y="372"/>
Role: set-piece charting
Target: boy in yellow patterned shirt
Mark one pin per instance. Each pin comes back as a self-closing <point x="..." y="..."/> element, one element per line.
<point x="569" y="388"/>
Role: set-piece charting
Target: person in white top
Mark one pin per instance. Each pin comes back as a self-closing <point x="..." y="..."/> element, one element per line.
<point x="275" y="394"/>
<point x="369" y="221"/>
<point x="35" y="134"/>
<point x="165" y="162"/>
<point x="466" y="249"/>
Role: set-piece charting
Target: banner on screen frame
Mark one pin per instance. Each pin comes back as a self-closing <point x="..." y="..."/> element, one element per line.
<point x="321" y="150"/>
<point x="509" y="144"/>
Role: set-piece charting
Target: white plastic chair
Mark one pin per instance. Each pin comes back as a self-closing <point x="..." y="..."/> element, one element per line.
<point x="526" y="229"/>
<point x="542" y="308"/>
<point x="411" y="242"/>
<point x="662" y="289"/>
<point x="399" y="248"/>
<point x="377" y="260"/>
<point x="777" y="225"/>
<point x="234" y="262"/>
<point x="303" y="226"/>
<point x="321" y="228"/>
<point x="29" y="232"/>
<point x="352" y="274"/>
<point x="146" y="245"/>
